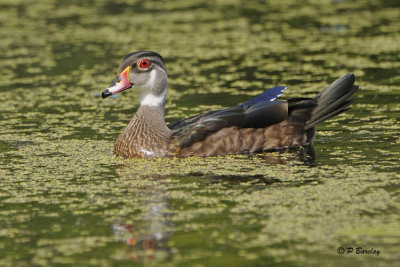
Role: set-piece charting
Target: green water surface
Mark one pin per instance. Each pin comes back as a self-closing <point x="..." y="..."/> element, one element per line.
<point x="65" y="200"/>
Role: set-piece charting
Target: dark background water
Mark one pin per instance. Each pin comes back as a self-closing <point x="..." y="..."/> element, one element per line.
<point x="66" y="201"/>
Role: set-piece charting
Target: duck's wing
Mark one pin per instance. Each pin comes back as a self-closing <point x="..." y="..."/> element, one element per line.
<point x="257" y="115"/>
<point x="269" y="95"/>
<point x="184" y="122"/>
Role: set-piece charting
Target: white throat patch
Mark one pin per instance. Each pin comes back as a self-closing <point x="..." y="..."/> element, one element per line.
<point x="150" y="99"/>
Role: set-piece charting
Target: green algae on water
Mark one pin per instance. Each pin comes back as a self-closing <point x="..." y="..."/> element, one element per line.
<point x="66" y="200"/>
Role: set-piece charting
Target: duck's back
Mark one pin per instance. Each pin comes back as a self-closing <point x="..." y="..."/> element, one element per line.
<point x="235" y="140"/>
<point x="261" y="125"/>
<point x="239" y="129"/>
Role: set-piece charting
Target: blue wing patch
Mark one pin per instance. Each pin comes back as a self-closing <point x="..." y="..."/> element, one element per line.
<point x="269" y="95"/>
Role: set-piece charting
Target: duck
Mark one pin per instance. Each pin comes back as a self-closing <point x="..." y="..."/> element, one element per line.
<point x="261" y="124"/>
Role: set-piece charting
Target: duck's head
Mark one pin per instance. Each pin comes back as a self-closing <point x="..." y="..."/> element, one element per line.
<point x="144" y="71"/>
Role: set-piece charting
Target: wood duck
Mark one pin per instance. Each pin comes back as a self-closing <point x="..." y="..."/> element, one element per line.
<point x="260" y="124"/>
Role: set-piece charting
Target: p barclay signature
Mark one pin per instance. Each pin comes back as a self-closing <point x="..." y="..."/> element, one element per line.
<point x="358" y="250"/>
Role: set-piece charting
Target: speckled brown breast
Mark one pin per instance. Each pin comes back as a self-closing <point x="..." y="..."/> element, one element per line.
<point x="145" y="136"/>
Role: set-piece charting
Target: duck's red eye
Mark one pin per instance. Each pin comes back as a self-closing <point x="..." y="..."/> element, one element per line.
<point x="144" y="63"/>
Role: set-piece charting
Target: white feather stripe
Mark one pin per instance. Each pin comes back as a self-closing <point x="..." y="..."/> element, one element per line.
<point x="151" y="80"/>
<point x="151" y="99"/>
<point x="146" y="152"/>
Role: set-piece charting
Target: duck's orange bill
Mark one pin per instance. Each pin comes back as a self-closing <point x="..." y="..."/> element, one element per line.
<point x="120" y="83"/>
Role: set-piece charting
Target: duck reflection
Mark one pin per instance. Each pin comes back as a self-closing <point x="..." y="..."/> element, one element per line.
<point x="300" y="156"/>
<point x="147" y="237"/>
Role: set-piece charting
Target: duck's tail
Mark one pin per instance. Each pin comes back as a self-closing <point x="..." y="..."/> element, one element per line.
<point x="306" y="113"/>
<point x="333" y="100"/>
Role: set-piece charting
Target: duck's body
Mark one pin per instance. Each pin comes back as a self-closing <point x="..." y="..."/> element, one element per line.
<point x="259" y="124"/>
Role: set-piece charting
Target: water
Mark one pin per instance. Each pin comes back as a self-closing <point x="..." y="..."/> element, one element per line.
<point x="66" y="201"/>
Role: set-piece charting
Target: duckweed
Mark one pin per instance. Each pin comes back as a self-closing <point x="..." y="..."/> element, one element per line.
<point x="66" y="200"/>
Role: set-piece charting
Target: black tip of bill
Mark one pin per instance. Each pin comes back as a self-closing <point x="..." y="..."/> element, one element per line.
<point x="106" y="93"/>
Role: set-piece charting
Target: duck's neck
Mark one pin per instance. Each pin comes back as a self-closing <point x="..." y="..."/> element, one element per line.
<point x="151" y="120"/>
<point x="146" y="134"/>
